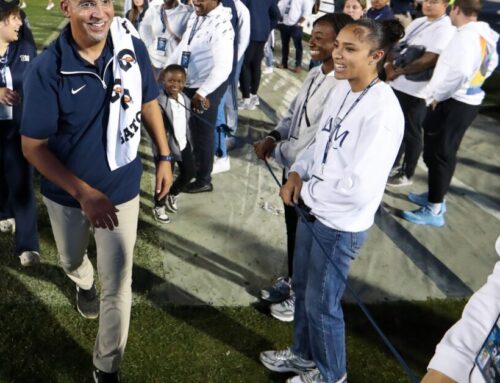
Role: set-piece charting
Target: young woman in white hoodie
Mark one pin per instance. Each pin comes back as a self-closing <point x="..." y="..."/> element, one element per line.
<point x="341" y="178"/>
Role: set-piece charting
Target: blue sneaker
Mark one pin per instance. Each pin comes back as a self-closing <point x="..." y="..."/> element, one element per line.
<point x="278" y="292"/>
<point x="422" y="199"/>
<point x="424" y="216"/>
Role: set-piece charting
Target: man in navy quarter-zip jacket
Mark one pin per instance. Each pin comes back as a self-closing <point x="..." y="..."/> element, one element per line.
<point x="85" y="98"/>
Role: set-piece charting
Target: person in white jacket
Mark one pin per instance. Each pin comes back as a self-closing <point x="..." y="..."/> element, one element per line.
<point x="294" y="133"/>
<point x="341" y="178"/>
<point x="455" y="95"/>
<point x="206" y="51"/>
<point x="162" y="28"/>
<point x="454" y="359"/>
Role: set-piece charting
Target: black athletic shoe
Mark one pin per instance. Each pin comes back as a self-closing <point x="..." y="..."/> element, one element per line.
<point x="87" y="302"/>
<point x="104" y="377"/>
<point x="197" y="187"/>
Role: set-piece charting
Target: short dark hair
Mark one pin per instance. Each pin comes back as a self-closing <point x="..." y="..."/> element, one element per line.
<point x="468" y="7"/>
<point x="337" y="20"/>
<point x="174" y="68"/>
<point x="4" y="15"/>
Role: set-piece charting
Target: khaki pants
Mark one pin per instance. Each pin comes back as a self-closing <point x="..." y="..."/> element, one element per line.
<point x="114" y="264"/>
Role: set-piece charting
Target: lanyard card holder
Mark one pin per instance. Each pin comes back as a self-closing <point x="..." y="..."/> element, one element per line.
<point x="161" y="45"/>
<point x="186" y="55"/>
<point x="488" y="357"/>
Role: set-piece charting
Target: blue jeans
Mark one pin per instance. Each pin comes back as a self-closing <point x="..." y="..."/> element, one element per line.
<point x="319" y="329"/>
<point x="268" y="51"/>
<point x="227" y="112"/>
<point x="220" y="138"/>
<point x="295" y="33"/>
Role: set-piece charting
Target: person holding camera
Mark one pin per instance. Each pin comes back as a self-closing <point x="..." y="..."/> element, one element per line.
<point x="409" y="72"/>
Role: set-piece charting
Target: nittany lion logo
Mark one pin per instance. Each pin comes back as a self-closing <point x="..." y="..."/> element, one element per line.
<point x="119" y="93"/>
<point x="126" y="58"/>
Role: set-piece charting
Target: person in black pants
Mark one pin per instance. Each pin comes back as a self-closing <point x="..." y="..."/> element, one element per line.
<point x="264" y="16"/>
<point x="206" y="52"/>
<point x="17" y="174"/>
<point x="294" y="13"/>
<point x="455" y="95"/>
<point x="295" y="33"/>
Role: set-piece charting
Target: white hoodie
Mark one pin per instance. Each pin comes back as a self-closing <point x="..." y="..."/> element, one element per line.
<point x="211" y="50"/>
<point x="457" y="350"/>
<point x="463" y="66"/>
<point x="345" y="193"/>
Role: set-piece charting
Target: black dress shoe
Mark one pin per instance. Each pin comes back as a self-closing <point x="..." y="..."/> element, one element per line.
<point x="104" y="377"/>
<point x="197" y="187"/>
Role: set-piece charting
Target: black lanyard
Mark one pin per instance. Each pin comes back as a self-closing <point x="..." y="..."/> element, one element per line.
<point x="303" y="112"/>
<point x="338" y="120"/>
<point x="193" y="30"/>
<point x="163" y="21"/>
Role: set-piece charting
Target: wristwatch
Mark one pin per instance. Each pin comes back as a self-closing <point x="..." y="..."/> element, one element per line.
<point x="164" y="158"/>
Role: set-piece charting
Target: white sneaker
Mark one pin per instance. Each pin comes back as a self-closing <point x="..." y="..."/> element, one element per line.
<point x="160" y="214"/>
<point x="285" y="361"/>
<point x="246" y="103"/>
<point x="267" y="70"/>
<point x="221" y="165"/>
<point x="254" y="99"/>
<point x="29" y="258"/>
<point x="313" y="376"/>
<point x="23" y="5"/>
<point x="49" y="6"/>
<point x="172" y="203"/>
<point x="285" y="310"/>
<point x="8" y="225"/>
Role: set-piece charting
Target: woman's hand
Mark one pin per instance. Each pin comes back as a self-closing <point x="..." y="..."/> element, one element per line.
<point x="290" y="192"/>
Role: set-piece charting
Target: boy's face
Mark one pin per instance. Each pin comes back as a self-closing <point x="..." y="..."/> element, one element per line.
<point x="174" y="82"/>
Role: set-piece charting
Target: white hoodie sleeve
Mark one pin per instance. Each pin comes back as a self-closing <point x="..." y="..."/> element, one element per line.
<point x="222" y="49"/>
<point x="243" y="27"/>
<point x="453" y="68"/>
<point x="146" y="27"/>
<point x="457" y="350"/>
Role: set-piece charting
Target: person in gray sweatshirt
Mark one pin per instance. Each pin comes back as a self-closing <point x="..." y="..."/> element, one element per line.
<point x="293" y="134"/>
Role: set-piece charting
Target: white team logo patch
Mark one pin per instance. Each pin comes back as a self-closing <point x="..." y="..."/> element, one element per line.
<point x="24" y="58"/>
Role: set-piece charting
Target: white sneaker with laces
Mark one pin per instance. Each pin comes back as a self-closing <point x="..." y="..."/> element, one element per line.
<point x="29" y="258"/>
<point x="221" y="165"/>
<point x="254" y="99"/>
<point x="246" y="103"/>
<point x="172" y="203"/>
<point x="160" y="214"/>
<point x="8" y="225"/>
<point x="267" y="70"/>
<point x="285" y="361"/>
<point x="285" y="310"/>
<point x="313" y="376"/>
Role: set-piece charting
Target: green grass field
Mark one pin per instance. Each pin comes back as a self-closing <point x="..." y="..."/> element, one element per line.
<point x="44" y="339"/>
